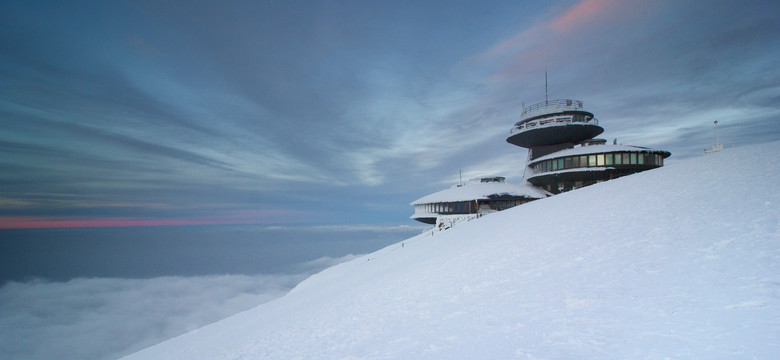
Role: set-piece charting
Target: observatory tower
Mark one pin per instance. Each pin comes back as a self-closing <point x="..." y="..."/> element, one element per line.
<point x="563" y="154"/>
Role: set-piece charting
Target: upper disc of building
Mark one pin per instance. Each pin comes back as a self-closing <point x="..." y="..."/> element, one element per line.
<point x="554" y="122"/>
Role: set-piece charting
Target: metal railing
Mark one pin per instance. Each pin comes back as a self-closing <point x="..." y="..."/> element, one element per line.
<point x="560" y="103"/>
<point x="565" y="119"/>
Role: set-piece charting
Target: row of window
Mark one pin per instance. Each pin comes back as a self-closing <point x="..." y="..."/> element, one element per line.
<point x="466" y="207"/>
<point x="610" y="159"/>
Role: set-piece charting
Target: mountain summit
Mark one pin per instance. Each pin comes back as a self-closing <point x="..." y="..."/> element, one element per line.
<point x="677" y="262"/>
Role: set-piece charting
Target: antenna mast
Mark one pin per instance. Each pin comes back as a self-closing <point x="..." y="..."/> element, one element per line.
<point x="545" y="86"/>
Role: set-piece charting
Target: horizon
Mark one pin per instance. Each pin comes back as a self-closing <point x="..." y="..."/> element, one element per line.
<point x="139" y="114"/>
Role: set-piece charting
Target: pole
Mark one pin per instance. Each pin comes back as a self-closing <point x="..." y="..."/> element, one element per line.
<point x="545" y="86"/>
<point x="717" y="141"/>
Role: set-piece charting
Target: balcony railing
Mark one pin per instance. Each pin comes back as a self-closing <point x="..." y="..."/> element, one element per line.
<point x="567" y="104"/>
<point x="558" y="120"/>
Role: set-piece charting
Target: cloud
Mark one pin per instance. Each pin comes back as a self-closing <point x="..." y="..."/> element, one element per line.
<point x="581" y="14"/>
<point x="105" y="318"/>
<point x="232" y="217"/>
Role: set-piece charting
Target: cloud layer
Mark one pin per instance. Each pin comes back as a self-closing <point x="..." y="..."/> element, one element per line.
<point x="105" y="318"/>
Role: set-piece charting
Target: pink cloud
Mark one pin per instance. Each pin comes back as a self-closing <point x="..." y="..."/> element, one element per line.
<point x="584" y="12"/>
<point x="237" y="217"/>
<point x="551" y="38"/>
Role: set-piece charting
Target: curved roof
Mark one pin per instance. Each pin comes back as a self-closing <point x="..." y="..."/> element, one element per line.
<point x="598" y="149"/>
<point x="482" y="191"/>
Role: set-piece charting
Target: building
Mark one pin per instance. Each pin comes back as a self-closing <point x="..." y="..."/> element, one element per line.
<point x="563" y="154"/>
<point x="472" y="199"/>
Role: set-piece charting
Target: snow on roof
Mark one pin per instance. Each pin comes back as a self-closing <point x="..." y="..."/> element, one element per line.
<point x="480" y="191"/>
<point x="593" y="149"/>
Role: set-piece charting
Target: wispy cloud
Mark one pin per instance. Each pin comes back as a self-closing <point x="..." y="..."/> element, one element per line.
<point x="224" y="105"/>
<point x="219" y="217"/>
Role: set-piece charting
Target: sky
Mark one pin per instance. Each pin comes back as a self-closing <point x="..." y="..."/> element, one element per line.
<point x="137" y="113"/>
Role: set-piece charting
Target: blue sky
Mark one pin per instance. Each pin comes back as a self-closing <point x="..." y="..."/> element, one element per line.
<point x="343" y="112"/>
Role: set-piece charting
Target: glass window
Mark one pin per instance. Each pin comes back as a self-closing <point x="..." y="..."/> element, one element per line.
<point x="583" y="161"/>
<point x="633" y="158"/>
<point x="555" y="165"/>
<point x="592" y="160"/>
<point x="575" y="162"/>
<point x="618" y="159"/>
<point x="600" y="159"/>
<point x="608" y="159"/>
<point x="567" y="163"/>
<point x="560" y="164"/>
<point x="641" y="159"/>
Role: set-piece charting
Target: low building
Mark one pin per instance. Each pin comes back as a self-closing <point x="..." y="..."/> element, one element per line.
<point x="473" y="199"/>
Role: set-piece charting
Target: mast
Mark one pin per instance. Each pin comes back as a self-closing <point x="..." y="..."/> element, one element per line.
<point x="545" y="86"/>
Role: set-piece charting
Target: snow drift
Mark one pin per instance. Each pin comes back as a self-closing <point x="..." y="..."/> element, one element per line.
<point x="677" y="262"/>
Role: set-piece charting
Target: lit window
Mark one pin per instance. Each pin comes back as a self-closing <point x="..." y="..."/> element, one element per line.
<point x="608" y="159"/>
<point x="600" y="159"/>
<point x="592" y="160"/>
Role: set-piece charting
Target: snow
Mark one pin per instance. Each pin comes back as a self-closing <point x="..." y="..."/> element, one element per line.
<point x="593" y="149"/>
<point x="678" y="262"/>
<point x="481" y="191"/>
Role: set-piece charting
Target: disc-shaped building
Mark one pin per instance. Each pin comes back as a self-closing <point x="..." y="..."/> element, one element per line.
<point x="563" y="154"/>
<point x="471" y="199"/>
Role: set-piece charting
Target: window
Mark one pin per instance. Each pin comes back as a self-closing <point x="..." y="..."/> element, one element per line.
<point x="583" y="161"/>
<point x="575" y="162"/>
<point x="577" y="184"/>
<point x="608" y="159"/>
<point x="618" y="158"/>
<point x="560" y="164"/>
<point x="567" y="163"/>
<point x="633" y="158"/>
<point x="555" y="165"/>
<point x="600" y="159"/>
<point x="641" y="159"/>
<point x="592" y="160"/>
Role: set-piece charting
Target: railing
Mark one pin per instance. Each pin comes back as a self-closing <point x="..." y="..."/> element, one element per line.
<point x="565" y="119"/>
<point x="560" y="103"/>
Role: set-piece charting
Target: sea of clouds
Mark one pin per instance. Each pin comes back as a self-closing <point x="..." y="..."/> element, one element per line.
<point x="106" y="318"/>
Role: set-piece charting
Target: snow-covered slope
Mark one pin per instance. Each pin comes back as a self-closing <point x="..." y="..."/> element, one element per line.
<point x="678" y="262"/>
